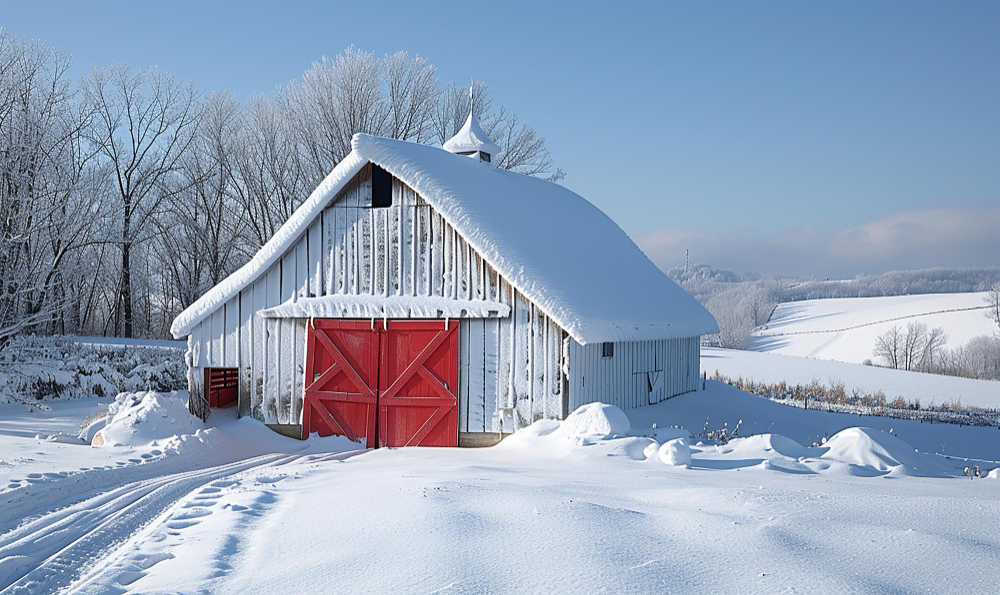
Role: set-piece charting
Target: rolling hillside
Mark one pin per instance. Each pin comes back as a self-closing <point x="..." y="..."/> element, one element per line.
<point x="845" y="329"/>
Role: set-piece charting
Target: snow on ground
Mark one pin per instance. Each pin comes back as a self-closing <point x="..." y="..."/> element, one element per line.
<point x="845" y="329"/>
<point x="601" y="502"/>
<point x="64" y="504"/>
<point x="929" y="389"/>
<point x="724" y="406"/>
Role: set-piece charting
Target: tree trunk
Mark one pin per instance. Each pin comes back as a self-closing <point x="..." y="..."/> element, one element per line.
<point x="125" y="298"/>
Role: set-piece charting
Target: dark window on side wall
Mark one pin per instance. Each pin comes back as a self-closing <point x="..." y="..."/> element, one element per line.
<point x="608" y="349"/>
<point x="381" y="188"/>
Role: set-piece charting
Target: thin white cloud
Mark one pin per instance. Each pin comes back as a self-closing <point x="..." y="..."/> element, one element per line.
<point x="915" y="238"/>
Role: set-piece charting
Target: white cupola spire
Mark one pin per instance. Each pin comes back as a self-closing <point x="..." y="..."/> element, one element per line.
<point x="471" y="140"/>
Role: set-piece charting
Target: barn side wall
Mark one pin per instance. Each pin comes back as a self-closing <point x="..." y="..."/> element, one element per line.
<point x="511" y="371"/>
<point x="639" y="373"/>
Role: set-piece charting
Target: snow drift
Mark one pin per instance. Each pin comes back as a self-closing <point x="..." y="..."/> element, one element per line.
<point x="137" y="419"/>
<point x="871" y="451"/>
<point x="601" y="430"/>
<point x="595" y="420"/>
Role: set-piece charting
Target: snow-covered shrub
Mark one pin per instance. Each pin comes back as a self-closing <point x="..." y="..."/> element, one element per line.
<point x="136" y="419"/>
<point x="817" y="395"/>
<point x="36" y="369"/>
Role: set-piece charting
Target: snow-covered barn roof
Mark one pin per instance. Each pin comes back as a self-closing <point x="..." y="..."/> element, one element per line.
<point x="561" y="252"/>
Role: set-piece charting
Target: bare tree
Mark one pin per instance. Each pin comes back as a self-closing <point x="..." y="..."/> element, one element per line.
<point x="144" y="122"/>
<point x="335" y="99"/>
<point x="412" y="91"/>
<point x="933" y="348"/>
<point x="992" y="299"/>
<point x="914" y="340"/>
<point x="44" y="166"/>
<point x="269" y="176"/>
<point x="889" y="347"/>
<point x="759" y="304"/>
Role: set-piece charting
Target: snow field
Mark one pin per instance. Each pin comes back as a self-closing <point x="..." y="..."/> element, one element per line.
<point x="604" y="501"/>
<point x="579" y="506"/>
<point x="845" y="329"/>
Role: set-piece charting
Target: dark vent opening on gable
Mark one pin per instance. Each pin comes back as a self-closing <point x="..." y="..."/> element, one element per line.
<point x="381" y="188"/>
<point x="607" y="349"/>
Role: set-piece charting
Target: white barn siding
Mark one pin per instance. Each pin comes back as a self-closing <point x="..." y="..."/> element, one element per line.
<point x="639" y="373"/>
<point x="513" y="370"/>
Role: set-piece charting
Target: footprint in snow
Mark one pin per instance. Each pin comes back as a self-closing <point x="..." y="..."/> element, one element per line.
<point x="236" y="507"/>
<point x="128" y="577"/>
<point x="191" y="513"/>
<point x="34" y="476"/>
<point x="199" y="504"/>
<point x="182" y="524"/>
<point x="270" y="479"/>
<point x="146" y="455"/>
<point x="225" y="483"/>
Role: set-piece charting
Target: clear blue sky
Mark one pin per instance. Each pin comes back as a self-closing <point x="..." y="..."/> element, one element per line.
<point x="734" y="129"/>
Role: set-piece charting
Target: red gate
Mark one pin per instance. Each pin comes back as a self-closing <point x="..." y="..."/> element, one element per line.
<point x="410" y="371"/>
<point x="221" y="386"/>
<point x="341" y="380"/>
<point x="418" y="380"/>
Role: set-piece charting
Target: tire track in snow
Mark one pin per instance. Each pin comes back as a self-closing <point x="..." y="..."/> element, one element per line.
<point x="55" y="549"/>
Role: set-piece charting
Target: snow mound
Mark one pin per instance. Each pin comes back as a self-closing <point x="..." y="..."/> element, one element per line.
<point x="994" y="474"/>
<point x="137" y="419"/>
<point x="595" y="420"/>
<point x="675" y="452"/>
<point x="772" y="443"/>
<point x="873" y="452"/>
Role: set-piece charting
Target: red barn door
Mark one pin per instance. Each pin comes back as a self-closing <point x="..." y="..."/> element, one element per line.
<point x="341" y="379"/>
<point x="418" y="380"/>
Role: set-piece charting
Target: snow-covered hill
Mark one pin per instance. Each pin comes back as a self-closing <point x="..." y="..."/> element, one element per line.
<point x="845" y="329"/>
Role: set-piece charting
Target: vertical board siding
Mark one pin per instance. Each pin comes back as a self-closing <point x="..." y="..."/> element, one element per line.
<point x="245" y="384"/>
<point x="640" y="373"/>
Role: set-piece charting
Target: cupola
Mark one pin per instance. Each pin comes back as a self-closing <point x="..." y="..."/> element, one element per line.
<point x="471" y="140"/>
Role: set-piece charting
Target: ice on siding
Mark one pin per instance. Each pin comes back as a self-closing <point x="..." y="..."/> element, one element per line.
<point x="561" y="252"/>
<point x="395" y="306"/>
<point x="471" y="138"/>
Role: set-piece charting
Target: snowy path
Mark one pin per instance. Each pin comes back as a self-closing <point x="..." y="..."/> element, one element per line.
<point x="58" y="546"/>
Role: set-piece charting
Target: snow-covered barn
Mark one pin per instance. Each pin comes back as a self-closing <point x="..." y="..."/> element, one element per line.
<point x="421" y="295"/>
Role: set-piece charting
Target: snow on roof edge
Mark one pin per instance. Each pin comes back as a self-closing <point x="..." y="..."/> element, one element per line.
<point x="392" y="306"/>
<point x="272" y="250"/>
